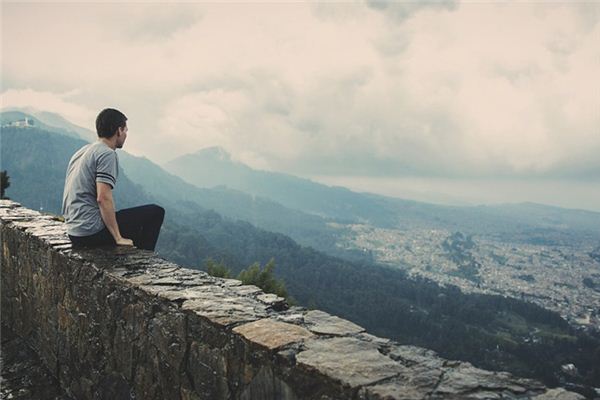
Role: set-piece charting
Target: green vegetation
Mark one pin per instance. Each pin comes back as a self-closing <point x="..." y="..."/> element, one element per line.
<point x="218" y="270"/>
<point x="264" y="278"/>
<point x="4" y="183"/>
<point x="458" y="248"/>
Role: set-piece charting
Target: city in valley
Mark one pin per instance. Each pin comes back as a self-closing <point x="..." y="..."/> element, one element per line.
<point x="565" y="279"/>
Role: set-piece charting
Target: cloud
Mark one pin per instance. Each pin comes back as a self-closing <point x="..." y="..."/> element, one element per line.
<point x="523" y="107"/>
<point x="401" y="10"/>
<point x="376" y="89"/>
<point x="152" y="22"/>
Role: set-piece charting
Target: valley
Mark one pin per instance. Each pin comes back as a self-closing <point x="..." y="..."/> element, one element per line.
<point x="553" y="277"/>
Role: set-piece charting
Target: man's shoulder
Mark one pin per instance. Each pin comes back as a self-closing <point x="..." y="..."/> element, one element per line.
<point x="79" y="153"/>
<point x="82" y="149"/>
<point x="99" y="150"/>
<point x="92" y="153"/>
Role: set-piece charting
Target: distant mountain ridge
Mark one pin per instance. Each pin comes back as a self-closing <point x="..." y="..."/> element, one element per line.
<point x="302" y="208"/>
<point x="218" y="169"/>
<point x="212" y="167"/>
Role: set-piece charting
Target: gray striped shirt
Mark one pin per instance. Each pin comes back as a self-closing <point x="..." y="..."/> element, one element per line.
<point x="95" y="162"/>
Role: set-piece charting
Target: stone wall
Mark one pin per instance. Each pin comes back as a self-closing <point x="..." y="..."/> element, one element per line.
<point x="121" y="323"/>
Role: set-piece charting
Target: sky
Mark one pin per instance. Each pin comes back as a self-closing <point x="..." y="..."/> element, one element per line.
<point x="446" y="101"/>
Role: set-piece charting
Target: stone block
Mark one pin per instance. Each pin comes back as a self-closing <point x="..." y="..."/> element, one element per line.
<point x="266" y="385"/>
<point x="348" y="360"/>
<point x="272" y="334"/>
<point x="327" y="324"/>
<point x="167" y="332"/>
<point x="225" y="310"/>
<point x="207" y="369"/>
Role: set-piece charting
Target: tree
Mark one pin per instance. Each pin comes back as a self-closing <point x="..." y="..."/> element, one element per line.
<point x="4" y="183"/>
<point x="264" y="278"/>
<point x="217" y="269"/>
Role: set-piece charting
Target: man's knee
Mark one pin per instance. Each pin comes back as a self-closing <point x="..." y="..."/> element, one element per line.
<point x="159" y="210"/>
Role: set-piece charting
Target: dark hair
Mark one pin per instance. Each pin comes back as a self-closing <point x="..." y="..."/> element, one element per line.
<point x="108" y="121"/>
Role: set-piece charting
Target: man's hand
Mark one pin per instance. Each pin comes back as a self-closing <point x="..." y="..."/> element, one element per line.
<point x="124" y="242"/>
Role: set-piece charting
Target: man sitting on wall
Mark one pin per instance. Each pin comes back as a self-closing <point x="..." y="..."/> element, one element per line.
<point x="88" y="206"/>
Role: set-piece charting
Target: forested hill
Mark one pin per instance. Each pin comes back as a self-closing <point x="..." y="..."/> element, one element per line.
<point x="490" y="331"/>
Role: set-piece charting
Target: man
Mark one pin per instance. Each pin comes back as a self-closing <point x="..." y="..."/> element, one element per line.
<point x="88" y="206"/>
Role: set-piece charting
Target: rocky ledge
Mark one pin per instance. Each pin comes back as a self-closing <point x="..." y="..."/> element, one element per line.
<point x="122" y="323"/>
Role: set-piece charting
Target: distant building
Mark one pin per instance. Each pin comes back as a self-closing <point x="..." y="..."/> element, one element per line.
<point x="21" y="123"/>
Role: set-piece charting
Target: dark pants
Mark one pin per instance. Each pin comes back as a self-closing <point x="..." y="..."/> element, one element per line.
<point x="140" y="224"/>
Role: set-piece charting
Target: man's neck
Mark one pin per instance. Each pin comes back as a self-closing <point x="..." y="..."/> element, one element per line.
<point x="108" y="142"/>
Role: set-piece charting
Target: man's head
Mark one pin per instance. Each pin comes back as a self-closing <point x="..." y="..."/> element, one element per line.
<point x="111" y="122"/>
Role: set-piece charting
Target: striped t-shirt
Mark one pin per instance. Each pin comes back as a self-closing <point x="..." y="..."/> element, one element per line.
<point x="95" y="162"/>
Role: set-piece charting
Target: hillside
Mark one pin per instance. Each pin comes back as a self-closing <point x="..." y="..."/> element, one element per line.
<point x="48" y="121"/>
<point x="305" y="228"/>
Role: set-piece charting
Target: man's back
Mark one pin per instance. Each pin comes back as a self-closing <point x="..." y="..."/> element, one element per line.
<point x="95" y="162"/>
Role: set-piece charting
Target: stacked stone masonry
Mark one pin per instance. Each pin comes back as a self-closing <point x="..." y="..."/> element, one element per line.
<point x="122" y="323"/>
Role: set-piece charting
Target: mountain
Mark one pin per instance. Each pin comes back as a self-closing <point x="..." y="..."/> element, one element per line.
<point x="7" y="117"/>
<point x="511" y="222"/>
<point x="489" y="331"/>
<point x="57" y="121"/>
<point x="47" y="121"/>
<point x="213" y="166"/>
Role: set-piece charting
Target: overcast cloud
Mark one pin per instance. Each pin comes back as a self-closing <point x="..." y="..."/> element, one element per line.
<point x="378" y="89"/>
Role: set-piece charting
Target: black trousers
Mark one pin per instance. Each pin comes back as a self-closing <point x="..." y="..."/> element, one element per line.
<point x="140" y="224"/>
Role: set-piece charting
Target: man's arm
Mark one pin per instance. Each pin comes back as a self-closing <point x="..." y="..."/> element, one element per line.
<point x="107" y="211"/>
